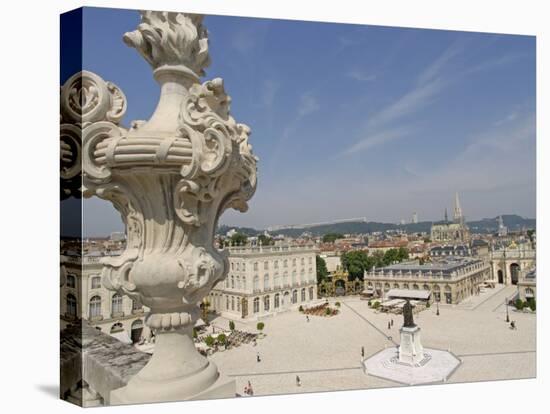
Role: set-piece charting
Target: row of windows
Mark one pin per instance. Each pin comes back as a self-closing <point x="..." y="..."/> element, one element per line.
<point x="234" y="303"/>
<point x="242" y="266"/>
<point x="95" y="281"/>
<point x="236" y="282"/>
<point x="95" y="305"/>
<point x="436" y="288"/>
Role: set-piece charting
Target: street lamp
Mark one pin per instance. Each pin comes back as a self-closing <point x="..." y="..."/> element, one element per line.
<point x="507" y="314"/>
<point x="437" y="311"/>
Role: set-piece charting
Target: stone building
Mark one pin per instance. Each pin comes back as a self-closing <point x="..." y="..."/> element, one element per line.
<point x="263" y="281"/>
<point x="507" y="263"/>
<point x="450" y="280"/>
<point x="83" y="296"/>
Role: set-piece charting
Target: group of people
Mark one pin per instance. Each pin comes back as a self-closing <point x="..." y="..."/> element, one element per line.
<point x="390" y="323"/>
<point x="248" y="391"/>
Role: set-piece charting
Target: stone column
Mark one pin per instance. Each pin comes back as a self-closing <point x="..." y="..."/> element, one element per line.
<point x="170" y="178"/>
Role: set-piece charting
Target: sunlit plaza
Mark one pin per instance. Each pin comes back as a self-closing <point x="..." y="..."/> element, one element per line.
<point x="325" y="353"/>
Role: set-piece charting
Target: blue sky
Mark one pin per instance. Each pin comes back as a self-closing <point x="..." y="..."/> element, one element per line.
<point x="354" y="121"/>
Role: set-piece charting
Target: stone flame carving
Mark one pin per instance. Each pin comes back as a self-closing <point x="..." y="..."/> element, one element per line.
<point x="168" y="38"/>
<point x="170" y="178"/>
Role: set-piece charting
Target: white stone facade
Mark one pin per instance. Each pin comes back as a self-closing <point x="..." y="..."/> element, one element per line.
<point x="449" y="281"/>
<point x="83" y="296"/>
<point x="264" y="281"/>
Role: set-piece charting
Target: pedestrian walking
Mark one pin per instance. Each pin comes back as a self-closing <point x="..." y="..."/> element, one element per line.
<point x="389" y="325"/>
<point x="258" y="359"/>
<point x="362" y="352"/>
<point x="298" y="382"/>
<point x="307" y="318"/>
<point x="392" y="322"/>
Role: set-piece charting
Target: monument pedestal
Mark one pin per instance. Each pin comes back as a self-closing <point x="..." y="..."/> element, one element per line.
<point x="410" y="350"/>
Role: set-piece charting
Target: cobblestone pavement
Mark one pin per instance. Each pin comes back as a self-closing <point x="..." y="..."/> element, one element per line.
<point x="326" y="352"/>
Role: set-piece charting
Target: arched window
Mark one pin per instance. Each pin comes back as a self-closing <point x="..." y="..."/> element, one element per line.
<point x="266" y="303"/>
<point x="276" y="281"/>
<point x="386" y="287"/>
<point x="266" y="282"/>
<point x="396" y="285"/>
<point x="311" y="293"/>
<point x="71" y="281"/>
<point x="96" y="282"/>
<point x="71" y="305"/>
<point x="303" y="295"/>
<point x="294" y="296"/>
<point x="426" y="287"/>
<point x="95" y="307"/>
<point x="116" y="304"/>
<point x="256" y="283"/>
<point x="415" y="286"/>
<point x="277" y="300"/>
<point x="256" y="305"/>
<point x="117" y="327"/>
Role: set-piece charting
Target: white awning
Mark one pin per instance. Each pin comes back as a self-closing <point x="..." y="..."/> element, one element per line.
<point x="408" y="294"/>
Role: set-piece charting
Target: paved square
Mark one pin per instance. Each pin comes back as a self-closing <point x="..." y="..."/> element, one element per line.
<point x="326" y="352"/>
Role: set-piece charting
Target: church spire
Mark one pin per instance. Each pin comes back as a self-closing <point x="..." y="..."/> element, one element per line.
<point x="458" y="217"/>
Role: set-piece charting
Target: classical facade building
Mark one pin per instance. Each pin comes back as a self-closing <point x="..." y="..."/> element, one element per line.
<point x="83" y="296"/>
<point x="508" y="262"/>
<point x="450" y="280"/>
<point x="455" y="231"/>
<point x="263" y="281"/>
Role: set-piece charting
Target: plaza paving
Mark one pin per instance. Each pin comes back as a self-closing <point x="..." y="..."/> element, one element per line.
<point x="326" y="352"/>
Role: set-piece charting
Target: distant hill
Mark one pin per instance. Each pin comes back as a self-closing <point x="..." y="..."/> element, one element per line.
<point x="486" y="225"/>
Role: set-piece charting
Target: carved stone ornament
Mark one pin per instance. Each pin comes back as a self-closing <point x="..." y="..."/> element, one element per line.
<point x="170" y="178"/>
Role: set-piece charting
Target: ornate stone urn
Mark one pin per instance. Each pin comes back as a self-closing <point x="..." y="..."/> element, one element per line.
<point x="170" y="178"/>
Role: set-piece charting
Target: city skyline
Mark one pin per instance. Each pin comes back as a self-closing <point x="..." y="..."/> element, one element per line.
<point x="413" y="116"/>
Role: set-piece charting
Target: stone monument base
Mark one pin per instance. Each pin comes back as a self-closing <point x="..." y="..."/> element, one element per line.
<point x="411" y="350"/>
<point x="435" y="366"/>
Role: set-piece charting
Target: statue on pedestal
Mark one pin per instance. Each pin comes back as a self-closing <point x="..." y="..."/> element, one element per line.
<point x="408" y="321"/>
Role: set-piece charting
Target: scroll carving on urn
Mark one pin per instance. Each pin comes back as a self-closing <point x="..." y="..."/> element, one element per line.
<point x="170" y="178"/>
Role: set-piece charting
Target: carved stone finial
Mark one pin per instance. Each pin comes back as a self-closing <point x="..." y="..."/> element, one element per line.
<point x="171" y="39"/>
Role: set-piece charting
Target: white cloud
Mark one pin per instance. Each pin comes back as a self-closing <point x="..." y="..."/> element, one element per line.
<point x="360" y="75"/>
<point x="308" y="105"/>
<point x="378" y="139"/>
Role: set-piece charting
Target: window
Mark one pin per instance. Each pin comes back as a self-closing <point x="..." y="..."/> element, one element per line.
<point x="294" y="296"/>
<point x="285" y="263"/>
<point x="256" y="282"/>
<point x="310" y="260"/>
<point x="96" y="282"/>
<point x="302" y="261"/>
<point x="276" y="264"/>
<point x="244" y="283"/>
<point x="266" y="303"/>
<point x="232" y="282"/>
<point x="238" y="284"/>
<point x="226" y="302"/>
<point x="71" y="305"/>
<point x="294" y="262"/>
<point x="293" y="277"/>
<point x="71" y="281"/>
<point x="285" y="278"/>
<point x="303" y="295"/>
<point x="276" y="281"/>
<point x="116" y="304"/>
<point x="244" y="266"/>
<point x="232" y="266"/>
<point x="311" y="293"/>
<point x="232" y="302"/>
<point x="136" y="306"/>
<point x="277" y="299"/>
<point x="266" y="265"/>
<point x="95" y="307"/>
<point x="303" y="275"/>
<point x="266" y="282"/>
<point x="256" y="305"/>
<point x="238" y="305"/>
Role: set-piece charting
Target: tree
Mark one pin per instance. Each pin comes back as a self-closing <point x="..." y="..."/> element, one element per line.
<point x="260" y="326"/>
<point x="519" y="304"/>
<point x="209" y="341"/>
<point x="222" y="339"/>
<point x="231" y="325"/>
<point x="356" y="262"/>
<point x="331" y="237"/>
<point x="239" y="239"/>
<point x="265" y="240"/>
<point x="322" y="271"/>
<point x="532" y="304"/>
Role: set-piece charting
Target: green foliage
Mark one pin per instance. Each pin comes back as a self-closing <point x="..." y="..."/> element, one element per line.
<point x="428" y="304"/>
<point x="328" y="311"/>
<point x="530" y="234"/>
<point x="209" y="341"/>
<point x="322" y="271"/>
<point x="265" y="240"/>
<point x="331" y="237"/>
<point x="369" y="303"/>
<point x="519" y="304"/>
<point x="301" y="308"/>
<point x="222" y="339"/>
<point x="337" y="304"/>
<point x="376" y="305"/>
<point x="195" y="333"/>
<point x="531" y="302"/>
<point x="239" y="239"/>
<point x="395" y="255"/>
<point x="260" y="326"/>
<point x="355" y="263"/>
<point x="231" y="325"/>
